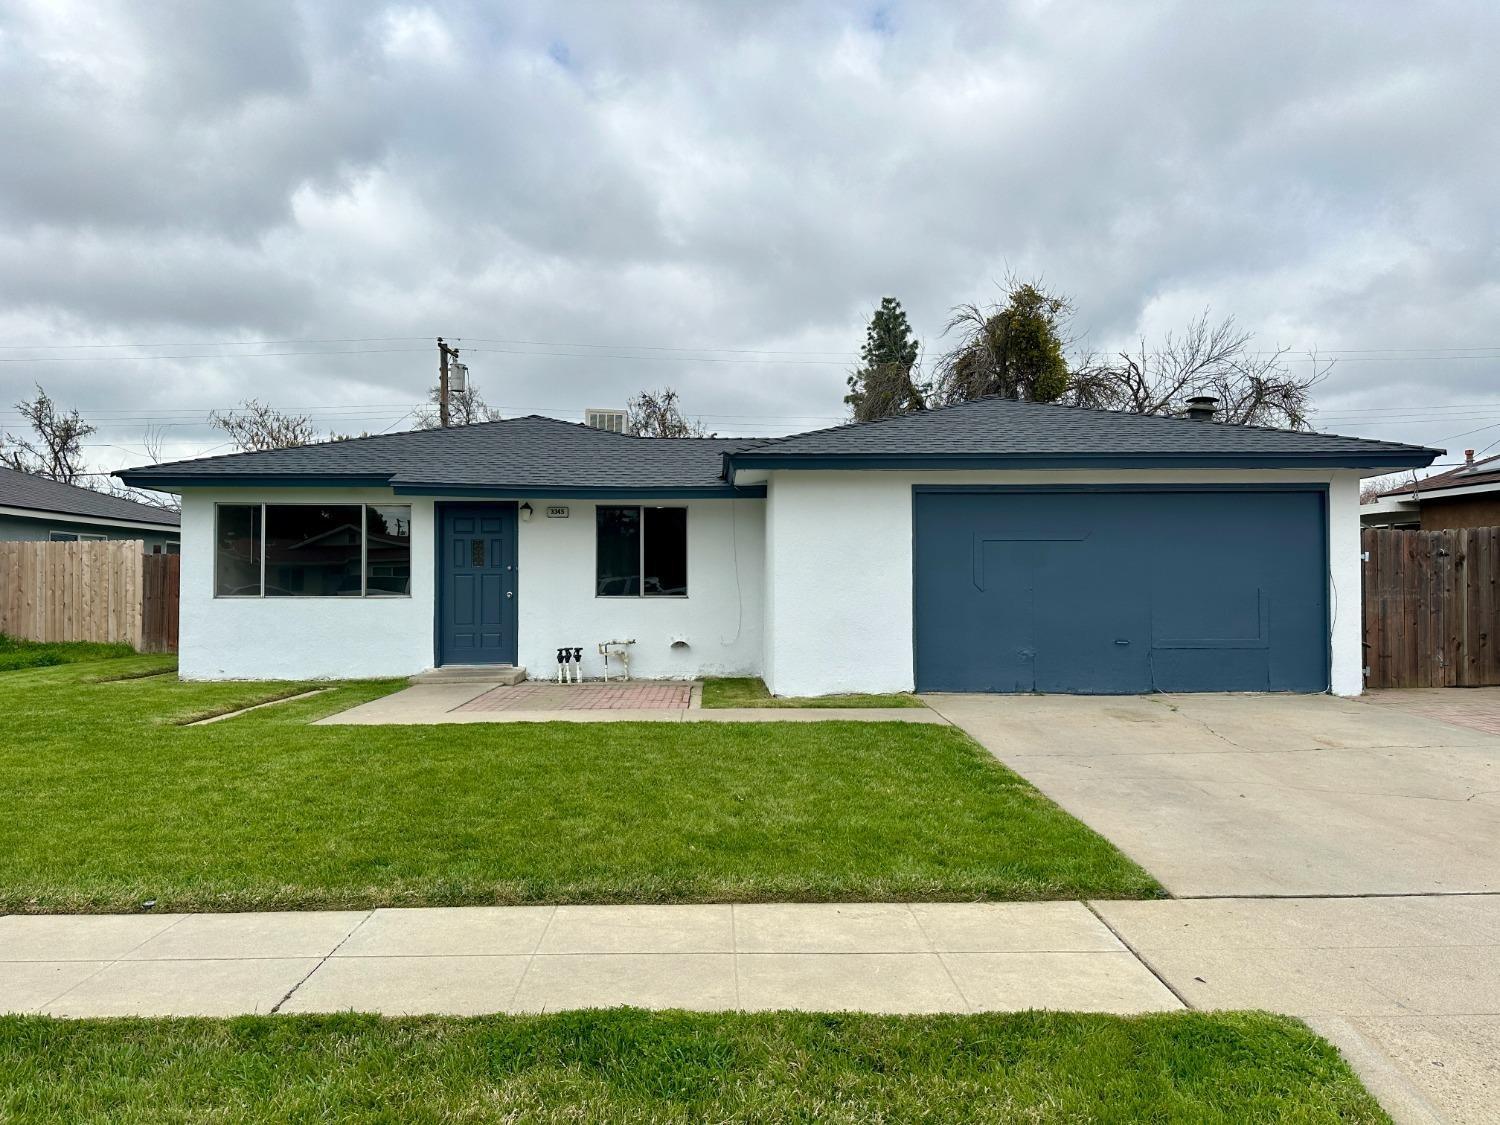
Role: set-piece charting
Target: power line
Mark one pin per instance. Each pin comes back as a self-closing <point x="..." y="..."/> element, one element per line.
<point x="219" y="343"/>
<point x="143" y="358"/>
<point x="692" y="353"/>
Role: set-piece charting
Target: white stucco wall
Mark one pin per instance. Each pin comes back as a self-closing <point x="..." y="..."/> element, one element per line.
<point x="720" y="619"/>
<point x="349" y="638"/>
<point x="839" y="588"/>
<point x="300" y="638"/>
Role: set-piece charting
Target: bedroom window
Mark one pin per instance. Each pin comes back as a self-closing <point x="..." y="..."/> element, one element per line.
<point x="640" y="552"/>
<point x="312" y="550"/>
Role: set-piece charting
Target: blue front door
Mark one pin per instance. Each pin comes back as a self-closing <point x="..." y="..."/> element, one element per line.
<point x="477" y="584"/>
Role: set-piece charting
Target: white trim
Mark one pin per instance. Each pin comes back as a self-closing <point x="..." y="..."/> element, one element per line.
<point x="1442" y="492"/>
<point x="1389" y="506"/>
<point x="46" y="515"/>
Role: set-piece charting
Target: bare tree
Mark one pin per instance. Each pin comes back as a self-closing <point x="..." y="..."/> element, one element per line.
<point x="55" y="450"/>
<point x="1215" y="359"/>
<point x="658" y="414"/>
<point x="1372" y="488"/>
<point x="152" y="443"/>
<point x="465" y="407"/>
<point x="257" y="426"/>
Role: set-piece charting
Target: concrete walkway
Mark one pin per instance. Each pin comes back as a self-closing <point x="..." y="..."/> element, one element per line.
<point x="422" y="704"/>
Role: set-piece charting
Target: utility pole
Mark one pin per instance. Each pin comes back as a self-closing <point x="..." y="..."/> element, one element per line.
<point x="445" y="353"/>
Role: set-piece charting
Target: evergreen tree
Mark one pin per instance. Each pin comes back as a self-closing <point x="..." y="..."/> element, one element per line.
<point x="885" y="383"/>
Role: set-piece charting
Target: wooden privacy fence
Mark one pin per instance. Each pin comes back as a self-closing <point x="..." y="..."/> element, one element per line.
<point x="89" y="591"/>
<point x="1430" y="606"/>
<point x="161" y="582"/>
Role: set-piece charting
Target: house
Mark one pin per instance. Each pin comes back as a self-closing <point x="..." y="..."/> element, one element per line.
<point x="1468" y="496"/>
<point x="33" y="507"/>
<point x="990" y="546"/>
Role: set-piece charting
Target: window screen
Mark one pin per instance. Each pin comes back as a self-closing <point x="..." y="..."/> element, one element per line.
<point x="237" y="542"/>
<point x="664" y="558"/>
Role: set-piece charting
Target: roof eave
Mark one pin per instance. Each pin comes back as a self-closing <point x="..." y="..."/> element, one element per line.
<point x="1376" y="460"/>
<point x="177" y="481"/>
<point x="580" y="492"/>
<point x="57" y="515"/>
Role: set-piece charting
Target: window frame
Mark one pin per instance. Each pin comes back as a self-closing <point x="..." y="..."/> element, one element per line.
<point x="364" y="550"/>
<point x="640" y="562"/>
<point x="55" y="536"/>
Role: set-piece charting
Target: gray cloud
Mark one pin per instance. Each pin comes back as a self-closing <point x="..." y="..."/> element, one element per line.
<point x="729" y="176"/>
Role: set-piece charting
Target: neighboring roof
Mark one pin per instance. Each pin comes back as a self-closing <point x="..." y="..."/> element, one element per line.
<point x="1482" y="472"/>
<point x="995" y="432"/>
<point x="34" y="493"/>
<point x="533" y="455"/>
<point x="520" y="455"/>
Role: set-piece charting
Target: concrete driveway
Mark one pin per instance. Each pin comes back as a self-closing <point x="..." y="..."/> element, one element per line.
<point x="1225" y="795"/>
<point x="1281" y="818"/>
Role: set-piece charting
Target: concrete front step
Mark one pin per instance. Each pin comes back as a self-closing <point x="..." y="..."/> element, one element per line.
<point x="507" y="675"/>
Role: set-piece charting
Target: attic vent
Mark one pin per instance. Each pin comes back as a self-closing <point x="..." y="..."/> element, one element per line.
<point x="611" y="420"/>
<point x="1202" y="408"/>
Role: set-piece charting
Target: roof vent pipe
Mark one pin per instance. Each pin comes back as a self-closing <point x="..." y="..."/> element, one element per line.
<point x="1202" y="408"/>
<point x="1468" y="458"/>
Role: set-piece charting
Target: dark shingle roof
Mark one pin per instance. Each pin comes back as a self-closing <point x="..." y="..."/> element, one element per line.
<point x="542" y="454"/>
<point x="1004" y="427"/>
<point x="533" y="453"/>
<point x="25" y="490"/>
<point x="1484" y="471"/>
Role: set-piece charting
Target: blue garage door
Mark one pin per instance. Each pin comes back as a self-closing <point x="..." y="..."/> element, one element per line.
<point x="1117" y="592"/>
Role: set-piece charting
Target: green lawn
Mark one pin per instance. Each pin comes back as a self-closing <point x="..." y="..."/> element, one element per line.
<point x="16" y="653"/>
<point x="750" y="691"/>
<point x="111" y="803"/>
<point x="626" y="1065"/>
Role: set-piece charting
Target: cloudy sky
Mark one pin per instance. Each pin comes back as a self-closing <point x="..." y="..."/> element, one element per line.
<point x="203" y="202"/>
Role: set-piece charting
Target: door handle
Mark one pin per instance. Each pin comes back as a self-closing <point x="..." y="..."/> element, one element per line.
<point x="510" y="593"/>
<point x="1121" y="642"/>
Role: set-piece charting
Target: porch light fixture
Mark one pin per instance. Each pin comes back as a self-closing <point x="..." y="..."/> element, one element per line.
<point x="525" y="511"/>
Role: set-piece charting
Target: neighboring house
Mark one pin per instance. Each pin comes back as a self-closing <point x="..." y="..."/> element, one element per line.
<point x="991" y="546"/>
<point x="33" y="507"/>
<point x="1468" y="496"/>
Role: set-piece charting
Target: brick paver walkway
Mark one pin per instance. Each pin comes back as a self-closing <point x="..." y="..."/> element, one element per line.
<point x="641" y="696"/>
<point x="1475" y="708"/>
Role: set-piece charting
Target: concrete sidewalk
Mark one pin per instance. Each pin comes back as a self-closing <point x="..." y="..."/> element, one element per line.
<point x="423" y="704"/>
<point x="944" y="957"/>
<point x="1407" y="987"/>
